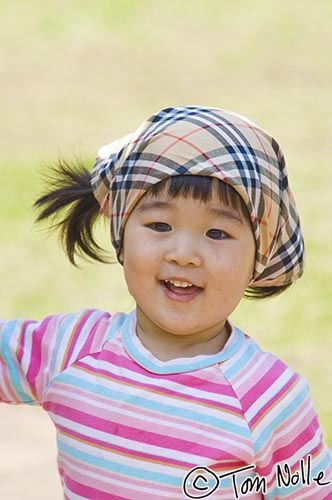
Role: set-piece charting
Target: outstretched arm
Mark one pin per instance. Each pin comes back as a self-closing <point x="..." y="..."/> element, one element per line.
<point x="32" y="353"/>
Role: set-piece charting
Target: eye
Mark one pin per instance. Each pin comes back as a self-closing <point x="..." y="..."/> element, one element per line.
<point x="160" y="227"/>
<point x="216" y="234"/>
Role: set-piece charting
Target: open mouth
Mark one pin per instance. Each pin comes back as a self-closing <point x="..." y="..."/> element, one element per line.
<point x="180" y="287"/>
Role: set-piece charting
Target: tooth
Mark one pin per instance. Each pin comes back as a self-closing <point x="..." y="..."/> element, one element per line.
<point x="180" y="284"/>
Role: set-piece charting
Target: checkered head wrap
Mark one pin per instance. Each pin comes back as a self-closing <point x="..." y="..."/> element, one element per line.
<point x="207" y="141"/>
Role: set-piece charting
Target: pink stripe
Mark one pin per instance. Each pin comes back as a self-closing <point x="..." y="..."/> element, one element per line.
<point x="105" y="486"/>
<point x="285" y="428"/>
<point x="286" y="455"/>
<point x="159" y="492"/>
<point x="7" y="383"/>
<point x="120" y="361"/>
<point x="116" y="449"/>
<point x="110" y="478"/>
<point x="170" y="429"/>
<point x="271" y="402"/>
<point x="98" y="337"/>
<point x="89" y="492"/>
<point x="302" y="439"/>
<point x="144" y="437"/>
<point x="21" y="339"/>
<point x="263" y="385"/>
<point x="74" y="336"/>
<point x="188" y="380"/>
<point x="141" y="414"/>
<point x="95" y="336"/>
<point x="36" y="350"/>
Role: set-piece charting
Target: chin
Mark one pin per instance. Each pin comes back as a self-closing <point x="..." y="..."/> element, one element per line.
<point x="179" y="328"/>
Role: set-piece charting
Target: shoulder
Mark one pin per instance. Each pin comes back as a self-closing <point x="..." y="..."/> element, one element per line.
<point x="65" y="336"/>
<point x="281" y="418"/>
<point x="275" y="400"/>
<point x="33" y="353"/>
<point x="83" y="332"/>
<point x="261" y="380"/>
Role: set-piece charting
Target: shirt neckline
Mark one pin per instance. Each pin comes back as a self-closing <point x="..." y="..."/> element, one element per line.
<point x="143" y="357"/>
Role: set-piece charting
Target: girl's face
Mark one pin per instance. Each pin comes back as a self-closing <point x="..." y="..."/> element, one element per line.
<point x="186" y="264"/>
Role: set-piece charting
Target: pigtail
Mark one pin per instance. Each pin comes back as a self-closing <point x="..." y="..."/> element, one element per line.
<point x="70" y="206"/>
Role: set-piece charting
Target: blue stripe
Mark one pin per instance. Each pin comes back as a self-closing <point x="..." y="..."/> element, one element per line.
<point x="243" y="360"/>
<point x="155" y="406"/>
<point x="11" y="361"/>
<point x="315" y="470"/>
<point x="117" y="321"/>
<point x="63" y="330"/>
<point x="125" y="469"/>
<point x="181" y="366"/>
<point x="280" y="419"/>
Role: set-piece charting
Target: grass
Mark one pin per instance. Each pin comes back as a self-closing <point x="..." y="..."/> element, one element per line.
<point x="77" y="75"/>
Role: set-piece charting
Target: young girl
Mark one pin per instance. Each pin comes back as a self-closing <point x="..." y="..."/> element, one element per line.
<point x="171" y="401"/>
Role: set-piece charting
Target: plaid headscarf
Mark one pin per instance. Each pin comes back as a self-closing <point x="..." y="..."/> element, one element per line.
<point x="207" y="141"/>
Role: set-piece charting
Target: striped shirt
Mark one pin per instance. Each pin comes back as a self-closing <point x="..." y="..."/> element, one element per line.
<point x="230" y="425"/>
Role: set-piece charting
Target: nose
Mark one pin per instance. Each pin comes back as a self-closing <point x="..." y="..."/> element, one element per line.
<point x="183" y="250"/>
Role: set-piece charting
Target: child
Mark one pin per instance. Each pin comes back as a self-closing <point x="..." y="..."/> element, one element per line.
<point x="171" y="401"/>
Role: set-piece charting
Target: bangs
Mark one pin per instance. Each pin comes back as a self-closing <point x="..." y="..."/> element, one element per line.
<point x="200" y="188"/>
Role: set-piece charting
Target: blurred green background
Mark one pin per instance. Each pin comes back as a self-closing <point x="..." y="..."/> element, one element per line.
<point x="76" y="75"/>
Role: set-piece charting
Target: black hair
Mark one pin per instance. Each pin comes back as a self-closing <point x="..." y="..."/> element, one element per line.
<point x="200" y="188"/>
<point x="70" y="206"/>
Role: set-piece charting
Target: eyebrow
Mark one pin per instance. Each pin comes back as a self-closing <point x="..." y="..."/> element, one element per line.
<point x="222" y="213"/>
<point x="153" y="205"/>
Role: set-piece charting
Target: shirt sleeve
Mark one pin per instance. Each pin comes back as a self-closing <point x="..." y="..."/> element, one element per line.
<point x="32" y="352"/>
<point x="288" y="441"/>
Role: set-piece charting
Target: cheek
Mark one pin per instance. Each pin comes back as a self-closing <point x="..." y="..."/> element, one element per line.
<point x="235" y="268"/>
<point x="246" y="254"/>
<point x="133" y="280"/>
<point x="139" y="267"/>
